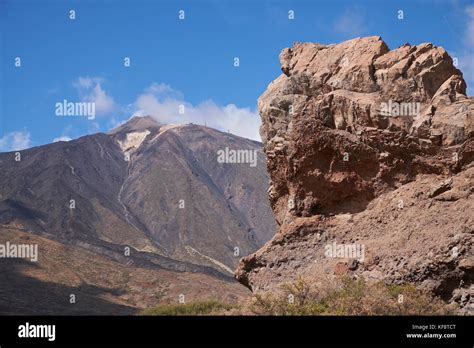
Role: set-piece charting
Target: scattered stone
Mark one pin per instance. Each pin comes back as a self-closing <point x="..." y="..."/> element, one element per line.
<point x="440" y="188"/>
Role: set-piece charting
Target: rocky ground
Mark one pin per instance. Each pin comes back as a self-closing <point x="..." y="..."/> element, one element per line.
<point x="101" y="284"/>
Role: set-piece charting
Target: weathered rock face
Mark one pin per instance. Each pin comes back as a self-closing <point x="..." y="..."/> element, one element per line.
<point x="356" y="136"/>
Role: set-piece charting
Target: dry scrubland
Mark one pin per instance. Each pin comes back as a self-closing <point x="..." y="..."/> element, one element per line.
<point x="340" y="296"/>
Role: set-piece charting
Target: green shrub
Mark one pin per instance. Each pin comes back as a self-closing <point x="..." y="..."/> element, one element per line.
<point x="192" y="308"/>
<point x="346" y="296"/>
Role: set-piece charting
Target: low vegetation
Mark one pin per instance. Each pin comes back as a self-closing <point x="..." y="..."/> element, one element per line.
<point x="192" y="308"/>
<point x="343" y="296"/>
<point x="347" y="296"/>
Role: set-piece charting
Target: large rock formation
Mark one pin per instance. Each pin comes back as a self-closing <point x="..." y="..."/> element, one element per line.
<point x="373" y="148"/>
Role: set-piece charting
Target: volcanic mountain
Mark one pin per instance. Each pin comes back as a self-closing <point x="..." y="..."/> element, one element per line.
<point x="145" y="193"/>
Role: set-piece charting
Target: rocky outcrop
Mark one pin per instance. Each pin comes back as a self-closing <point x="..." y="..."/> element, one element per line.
<point x="371" y="147"/>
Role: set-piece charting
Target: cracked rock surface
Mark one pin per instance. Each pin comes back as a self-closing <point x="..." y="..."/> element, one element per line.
<point x="372" y="147"/>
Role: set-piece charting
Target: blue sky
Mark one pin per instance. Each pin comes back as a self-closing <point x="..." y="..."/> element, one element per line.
<point x="186" y="62"/>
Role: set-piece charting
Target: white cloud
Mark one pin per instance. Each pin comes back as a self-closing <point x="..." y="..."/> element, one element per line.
<point x="165" y="104"/>
<point x="87" y="82"/>
<point x="62" y="138"/>
<point x="15" y="141"/>
<point x="90" y="90"/>
<point x="65" y="134"/>
<point x="163" y="89"/>
<point x="115" y="122"/>
<point x="352" y="22"/>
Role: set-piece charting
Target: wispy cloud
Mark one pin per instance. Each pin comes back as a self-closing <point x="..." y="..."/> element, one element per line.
<point x="65" y="134"/>
<point x="169" y="106"/>
<point x="62" y="138"/>
<point x="15" y="141"/>
<point x="352" y="22"/>
<point x="90" y="90"/>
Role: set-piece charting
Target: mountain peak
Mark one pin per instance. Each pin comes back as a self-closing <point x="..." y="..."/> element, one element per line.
<point x="137" y="123"/>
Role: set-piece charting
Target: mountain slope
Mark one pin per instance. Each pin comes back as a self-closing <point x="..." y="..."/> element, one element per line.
<point x="102" y="285"/>
<point x="155" y="190"/>
<point x="185" y="199"/>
